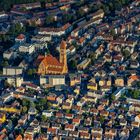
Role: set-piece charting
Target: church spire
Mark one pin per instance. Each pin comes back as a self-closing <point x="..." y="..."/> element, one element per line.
<point x="63" y="55"/>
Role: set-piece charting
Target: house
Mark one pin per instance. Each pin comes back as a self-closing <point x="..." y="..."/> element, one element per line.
<point x="105" y="81"/>
<point x="92" y="86"/>
<point x="123" y="122"/>
<point x="137" y="119"/>
<point x="119" y="82"/>
<point x="77" y="90"/>
<point x="94" y="111"/>
<point x="97" y="130"/>
<point x="132" y="80"/>
<point x="15" y="81"/>
<point x="52" y="131"/>
<point x="31" y="86"/>
<point x="2" y="117"/>
<point x="118" y="58"/>
<point x="108" y="137"/>
<point x="74" y="134"/>
<point x="134" y="56"/>
<point x="84" y="64"/>
<point x="56" y="31"/>
<point x="84" y="135"/>
<point x="27" y="6"/>
<point x="23" y="120"/>
<point x="59" y="115"/>
<point x="76" y="121"/>
<point x="66" y="105"/>
<point x="135" y="124"/>
<point x="63" y="133"/>
<point x="124" y="133"/>
<point x="69" y="127"/>
<point x="21" y="38"/>
<point x="12" y="70"/>
<point x="10" y="54"/>
<point x="100" y="73"/>
<point x="96" y="136"/>
<point x="41" y="38"/>
<point x="32" y="111"/>
<point x="56" y="126"/>
<point x="135" y="105"/>
<point x="97" y="14"/>
<point x="83" y="129"/>
<point x="90" y="99"/>
<point x="69" y="116"/>
<point x="112" y="132"/>
<point x="3" y="16"/>
<point x="19" y="137"/>
<point x="88" y="121"/>
<point x="104" y="113"/>
<point x="97" y="94"/>
<point x="28" y="136"/>
<point x="71" y="50"/>
<point x="47" y="113"/>
<point x="23" y="64"/>
<point x="81" y="102"/>
<point x="27" y="48"/>
<point x="75" y="79"/>
<point x="51" y="97"/>
<point x="134" y="64"/>
<point x="60" y="99"/>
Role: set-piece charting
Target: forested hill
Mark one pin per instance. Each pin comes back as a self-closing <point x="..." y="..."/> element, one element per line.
<point x="6" y="4"/>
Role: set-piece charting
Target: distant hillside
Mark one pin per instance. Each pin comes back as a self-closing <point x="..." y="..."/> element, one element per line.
<point x="7" y="4"/>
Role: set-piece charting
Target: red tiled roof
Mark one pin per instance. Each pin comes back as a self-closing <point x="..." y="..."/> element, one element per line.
<point x="50" y="60"/>
<point x="21" y="36"/>
<point x="134" y="77"/>
<point x="19" y="137"/>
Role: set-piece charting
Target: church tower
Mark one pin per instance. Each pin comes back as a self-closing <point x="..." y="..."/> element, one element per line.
<point x="63" y="56"/>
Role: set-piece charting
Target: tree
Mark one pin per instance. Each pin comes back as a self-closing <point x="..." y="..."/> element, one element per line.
<point x="16" y="29"/>
<point x="135" y="94"/>
<point x="43" y="118"/>
<point x="25" y="102"/>
<point x="34" y="71"/>
<point x="106" y="9"/>
<point x="102" y="119"/>
<point x="67" y="111"/>
<point x="112" y="97"/>
<point x="92" y="57"/>
<point x="30" y="72"/>
<point x="24" y="109"/>
<point x="6" y="84"/>
<point x="126" y="54"/>
<point x="49" y="20"/>
<point x="4" y="63"/>
<point x="112" y="32"/>
<point x="67" y="18"/>
<point x="73" y="65"/>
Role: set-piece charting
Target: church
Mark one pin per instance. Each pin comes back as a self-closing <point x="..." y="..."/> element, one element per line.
<point x="50" y="65"/>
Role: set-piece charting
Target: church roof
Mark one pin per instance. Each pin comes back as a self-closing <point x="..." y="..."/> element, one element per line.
<point x="50" y="60"/>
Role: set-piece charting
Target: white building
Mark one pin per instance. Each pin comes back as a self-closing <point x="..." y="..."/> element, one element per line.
<point x="47" y="113"/>
<point x="52" y="80"/>
<point x="41" y="38"/>
<point x="12" y="71"/>
<point x="27" y="48"/>
<point x="9" y="54"/>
